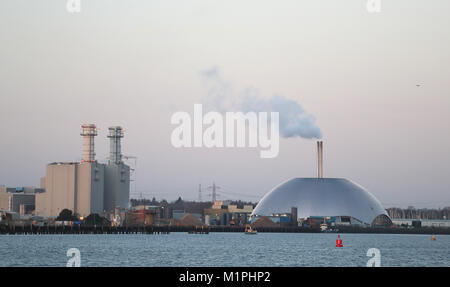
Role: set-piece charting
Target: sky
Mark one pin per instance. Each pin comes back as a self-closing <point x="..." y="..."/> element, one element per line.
<point x="377" y="84"/>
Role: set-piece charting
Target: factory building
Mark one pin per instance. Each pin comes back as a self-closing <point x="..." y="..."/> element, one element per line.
<point x="223" y="213"/>
<point x="18" y="199"/>
<point x="421" y="222"/>
<point x="75" y="186"/>
<point x="322" y="197"/>
<point x="88" y="186"/>
<point x="117" y="174"/>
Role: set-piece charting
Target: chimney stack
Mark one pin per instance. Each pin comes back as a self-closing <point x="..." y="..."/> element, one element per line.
<point x="319" y="159"/>
<point x="115" y="151"/>
<point x="88" y="132"/>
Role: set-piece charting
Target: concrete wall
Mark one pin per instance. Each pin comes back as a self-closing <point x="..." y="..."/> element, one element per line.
<point x="73" y="186"/>
<point x="60" y="188"/>
<point x="90" y="188"/>
<point x="117" y="186"/>
<point x="97" y="188"/>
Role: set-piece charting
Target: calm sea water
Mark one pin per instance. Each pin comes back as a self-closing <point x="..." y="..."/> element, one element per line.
<point x="224" y="249"/>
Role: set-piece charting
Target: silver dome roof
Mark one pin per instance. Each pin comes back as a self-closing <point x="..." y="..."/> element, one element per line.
<point x="321" y="197"/>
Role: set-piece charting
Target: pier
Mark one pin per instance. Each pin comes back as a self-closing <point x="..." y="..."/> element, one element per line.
<point x="167" y="229"/>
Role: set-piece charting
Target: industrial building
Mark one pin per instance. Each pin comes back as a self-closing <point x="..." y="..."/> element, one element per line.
<point x="18" y="199"/>
<point x="342" y="199"/>
<point x="223" y="213"/>
<point x="88" y="186"/>
<point x="421" y="222"/>
<point x="117" y="174"/>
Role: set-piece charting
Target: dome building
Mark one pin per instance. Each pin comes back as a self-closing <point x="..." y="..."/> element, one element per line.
<point x="339" y="198"/>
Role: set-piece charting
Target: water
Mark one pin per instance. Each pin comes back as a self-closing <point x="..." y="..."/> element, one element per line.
<point x="224" y="249"/>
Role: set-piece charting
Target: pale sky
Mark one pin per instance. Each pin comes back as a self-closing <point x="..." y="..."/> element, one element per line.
<point x="134" y="63"/>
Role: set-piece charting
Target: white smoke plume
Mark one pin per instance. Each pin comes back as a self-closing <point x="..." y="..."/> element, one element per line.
<point x="294" y="120"/>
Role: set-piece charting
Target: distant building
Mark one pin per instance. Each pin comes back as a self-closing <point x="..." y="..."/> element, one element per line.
<point x="117" y="174"/>
<point x="18" y="199"/>
<point x="141" y="217"/>
<point x="244" y="209"/>
<point x="224" y="213"/>
<point x="320" y="197"/>
<point x="87" y="187"/>
<point x="75" y="186"/>
<point x="6" y="215"/>
<point x="422" y="222"/>
<point x="178" y="214"/>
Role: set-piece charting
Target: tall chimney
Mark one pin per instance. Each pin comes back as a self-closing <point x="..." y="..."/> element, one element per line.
<point x="88" y="132"/>
<point x="115" y="152"/>
<point x="319" y="159"/>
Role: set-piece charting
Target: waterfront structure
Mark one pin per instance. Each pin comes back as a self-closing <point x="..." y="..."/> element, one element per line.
<point x="223" y="213"/>
<point x="88" y="186"/>
<point x="178" y="214"/>
<point x="323" y="197"/>
<point x="421" y="222"/>
<point x="6" y="215"/>
<point x="18" y="199"/>
<point x="144" y="216"/>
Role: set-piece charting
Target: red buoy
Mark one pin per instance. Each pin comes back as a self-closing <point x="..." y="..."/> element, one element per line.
<point x="339" y="242"/>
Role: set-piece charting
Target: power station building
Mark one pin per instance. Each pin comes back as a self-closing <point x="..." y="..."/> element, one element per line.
<point x="321" y="197"/>
<point x="88" y="186"/>
<point x="117" y="174"/>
